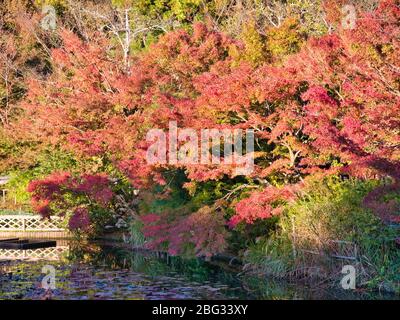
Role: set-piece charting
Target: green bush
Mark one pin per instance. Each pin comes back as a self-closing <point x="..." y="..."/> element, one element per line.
<point x="47" y="162"/>
<point x="326" y="228"/>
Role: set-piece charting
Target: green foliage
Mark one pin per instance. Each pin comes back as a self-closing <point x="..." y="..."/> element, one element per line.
<point x="311" y="15"/>
<point x="48" y="161"/>
<point x="169" y="197"/>
<point x="100" y="217"/>
<point x="286" y="39"/>
<point x="327" y="222"/>
<point x="59" y="5"/>
<point x="255" y="51"/>
<point x="180" y="9"/>
<point x="137" y="238"/>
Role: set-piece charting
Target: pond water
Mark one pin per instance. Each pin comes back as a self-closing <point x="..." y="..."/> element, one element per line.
<point x="104" y="271"/>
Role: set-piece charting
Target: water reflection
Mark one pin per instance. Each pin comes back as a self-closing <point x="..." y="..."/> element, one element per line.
<point x="104" y="271"/>
<point x="49" y="254"/>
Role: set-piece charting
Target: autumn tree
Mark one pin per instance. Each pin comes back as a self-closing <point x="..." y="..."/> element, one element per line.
<point x="318" y="105"/>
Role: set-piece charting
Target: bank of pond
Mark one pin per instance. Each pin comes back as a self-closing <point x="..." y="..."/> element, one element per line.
<point x="104" y="270"/>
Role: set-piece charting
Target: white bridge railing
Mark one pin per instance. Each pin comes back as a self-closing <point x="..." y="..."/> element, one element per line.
<point x="29" y="223"/>
<point x="53" y="253"/>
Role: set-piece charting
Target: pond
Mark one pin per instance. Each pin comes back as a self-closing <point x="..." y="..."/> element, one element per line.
<point x="106" y="271"/>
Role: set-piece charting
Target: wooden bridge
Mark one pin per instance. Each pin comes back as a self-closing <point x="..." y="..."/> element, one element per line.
<point x="32" y="226"/>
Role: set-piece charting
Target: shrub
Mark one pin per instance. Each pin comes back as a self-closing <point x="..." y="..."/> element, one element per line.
<point x="85" y="201"/>
<point x="326" y="228"/>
